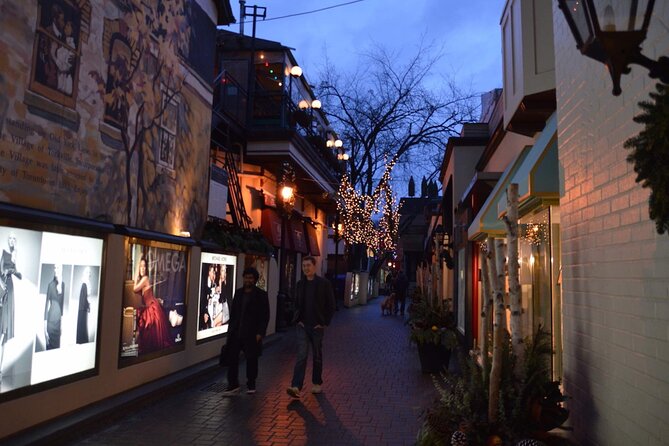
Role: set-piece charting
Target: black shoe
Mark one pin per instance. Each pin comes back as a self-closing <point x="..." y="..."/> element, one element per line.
<point x="231" y="391"/>
<point x="293" y="392"/>
<point x="251" y="389"/>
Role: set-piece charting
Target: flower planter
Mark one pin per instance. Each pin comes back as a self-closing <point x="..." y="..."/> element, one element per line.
<point x="433" y="358"/>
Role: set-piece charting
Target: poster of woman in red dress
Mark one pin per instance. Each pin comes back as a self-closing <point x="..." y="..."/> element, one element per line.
<point x="154" y="300"/>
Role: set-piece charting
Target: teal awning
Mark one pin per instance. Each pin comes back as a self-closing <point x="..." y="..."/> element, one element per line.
<point x="537" y="175"/>
<point x="535" y="170"/>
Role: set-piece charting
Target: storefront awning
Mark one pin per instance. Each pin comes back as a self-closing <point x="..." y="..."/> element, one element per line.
<point x="270" y="225"/>
<point x="537" y="176"/>
<point x="487" y="221"/>
<point x="299" y="240"/>
<point x="312" y="238"/>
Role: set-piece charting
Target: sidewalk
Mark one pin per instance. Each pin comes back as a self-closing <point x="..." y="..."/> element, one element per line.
<point x="373" y="394"/>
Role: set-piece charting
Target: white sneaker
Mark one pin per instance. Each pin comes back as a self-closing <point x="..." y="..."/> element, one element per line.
<point x="293" y="391"/>
<point x="316" y="388"/>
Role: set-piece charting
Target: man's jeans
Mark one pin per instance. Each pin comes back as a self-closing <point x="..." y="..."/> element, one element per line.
<point x="305" y="337"/>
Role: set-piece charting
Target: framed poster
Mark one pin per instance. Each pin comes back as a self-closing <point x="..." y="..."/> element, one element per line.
<point x="50" y="303"/>
<point x="154" y="300"/>
<point x="261" y="263"/>
<point x="217" y="287"/>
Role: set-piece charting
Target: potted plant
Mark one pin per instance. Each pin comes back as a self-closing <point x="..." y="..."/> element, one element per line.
<point x="433" y="332"/>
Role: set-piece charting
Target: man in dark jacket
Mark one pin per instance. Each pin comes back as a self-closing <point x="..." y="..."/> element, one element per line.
<point x="401" y="283"/>
<point x="315" y="306"/>
<point x="248" y="323"/>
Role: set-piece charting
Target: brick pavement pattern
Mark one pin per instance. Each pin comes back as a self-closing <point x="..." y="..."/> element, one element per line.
<point x="373" y="394"/>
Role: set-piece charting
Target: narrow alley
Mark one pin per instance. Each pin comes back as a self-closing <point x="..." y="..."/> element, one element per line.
<point x="373" y="394"/>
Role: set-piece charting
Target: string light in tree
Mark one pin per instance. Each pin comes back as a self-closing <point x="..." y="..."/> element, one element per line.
<point x="357" y="211"/>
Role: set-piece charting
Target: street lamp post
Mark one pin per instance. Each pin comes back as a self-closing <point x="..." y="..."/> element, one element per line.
<point x="286" y="189"/>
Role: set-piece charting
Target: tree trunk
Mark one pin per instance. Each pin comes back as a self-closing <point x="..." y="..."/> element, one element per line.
<point x="511" y="221"/>
<point x="499" y="325"/>
<point x="486" y="309"/>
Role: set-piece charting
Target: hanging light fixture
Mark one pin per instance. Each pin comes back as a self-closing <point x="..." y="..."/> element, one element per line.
<point x="287" y="187"/>
<point x="613" y="35"/>
<point x="295" y="71"/>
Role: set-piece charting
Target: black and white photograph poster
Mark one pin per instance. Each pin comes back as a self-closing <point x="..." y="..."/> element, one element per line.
<point x="43" y="279"/>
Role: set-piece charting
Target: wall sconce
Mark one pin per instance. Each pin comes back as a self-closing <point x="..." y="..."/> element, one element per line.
<point x="614" y="36"/>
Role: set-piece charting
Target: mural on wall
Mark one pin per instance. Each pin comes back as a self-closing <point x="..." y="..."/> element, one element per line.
<point x="107" y="115"/>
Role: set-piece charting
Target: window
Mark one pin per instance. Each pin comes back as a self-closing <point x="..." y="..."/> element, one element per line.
<point x="56" y="54"/>
<point x="539" y="258"/>
<point x="168" y="129"/>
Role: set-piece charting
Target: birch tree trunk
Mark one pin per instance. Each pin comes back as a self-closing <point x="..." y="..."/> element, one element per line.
<point x="499" y="325"/>
<point x="511" y="222"/>
<point x="486" y="309"/>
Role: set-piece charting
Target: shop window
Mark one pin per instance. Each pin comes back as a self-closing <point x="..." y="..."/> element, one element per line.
<point x="539" y="258"/>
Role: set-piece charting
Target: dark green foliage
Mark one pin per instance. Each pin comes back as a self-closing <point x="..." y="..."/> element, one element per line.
<point x="233" y="238"/>
<point x="431" y="324"/>
<point x="432" y="189"/>
<point x="412" y="187"/>
<point x="423" y="187"/>
<point x="527" y="405"/>
<point x="650" y="154"/>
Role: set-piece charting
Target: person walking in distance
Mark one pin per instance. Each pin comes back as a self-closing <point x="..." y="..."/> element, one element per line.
<point x="400" y="285"/>
<point x="248" y="323"/>
<point x="314" y="309"/>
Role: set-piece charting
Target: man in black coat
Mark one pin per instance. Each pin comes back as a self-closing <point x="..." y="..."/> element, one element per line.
<point x="249" y="316"/>
<point x="315" y="306"/>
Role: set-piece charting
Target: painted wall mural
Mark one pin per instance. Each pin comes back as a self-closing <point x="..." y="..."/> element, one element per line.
<point x="105" y="110"/>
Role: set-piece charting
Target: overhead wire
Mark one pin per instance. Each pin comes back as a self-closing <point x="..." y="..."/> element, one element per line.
<point x="308" y="12"/>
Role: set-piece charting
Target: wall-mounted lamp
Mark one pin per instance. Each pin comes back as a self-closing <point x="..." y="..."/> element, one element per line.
<point x="342" y="156"/>
<point x="287" y="187"/>
<point x="614" y="36"/>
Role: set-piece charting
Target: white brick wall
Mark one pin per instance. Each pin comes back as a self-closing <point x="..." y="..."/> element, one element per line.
<point x="615" y="267"/>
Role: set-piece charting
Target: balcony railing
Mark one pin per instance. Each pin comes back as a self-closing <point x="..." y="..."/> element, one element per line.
<point x="271" y="111"/>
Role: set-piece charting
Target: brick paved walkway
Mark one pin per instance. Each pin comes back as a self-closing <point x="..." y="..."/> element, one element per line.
<point x="374" y="394"/>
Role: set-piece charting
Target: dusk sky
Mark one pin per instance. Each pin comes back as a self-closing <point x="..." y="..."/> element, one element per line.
<point x="467" y="31"/>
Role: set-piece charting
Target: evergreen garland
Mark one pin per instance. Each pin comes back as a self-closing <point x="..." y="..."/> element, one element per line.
<point x="650" y="154"/>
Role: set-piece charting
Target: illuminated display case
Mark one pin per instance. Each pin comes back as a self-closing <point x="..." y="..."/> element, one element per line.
<point x="154" y="300"/>
<point x="50" y="306"/>
<point x="217" y="287"/>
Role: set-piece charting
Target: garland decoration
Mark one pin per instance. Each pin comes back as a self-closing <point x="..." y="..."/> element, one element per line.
<point x="650" y="154"/>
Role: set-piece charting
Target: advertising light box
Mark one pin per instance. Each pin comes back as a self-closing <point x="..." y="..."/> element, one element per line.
<point x="50" y="301"/>
<point x="154" y="300"/>
<point x="217" y="286"/>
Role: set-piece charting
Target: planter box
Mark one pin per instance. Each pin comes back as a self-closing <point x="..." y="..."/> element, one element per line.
<point x="433" y="358"/>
